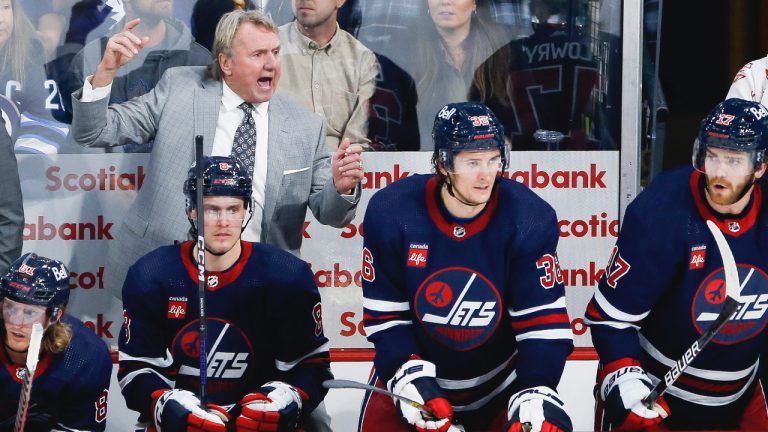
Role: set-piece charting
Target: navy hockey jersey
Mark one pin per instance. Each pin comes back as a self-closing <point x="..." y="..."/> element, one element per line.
<point x="663" y="287"/>
<point x="264" y="324"/>
<point x="483" y="299"/>
<point x="70" y="389"/>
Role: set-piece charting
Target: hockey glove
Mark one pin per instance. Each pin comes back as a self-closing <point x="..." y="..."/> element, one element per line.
<point x="416" y="380"/>
<point x="623" y="390"/>
<point x="179" y="411"/>
<point x="274" y="407"/>
<point x="541" y="408"/>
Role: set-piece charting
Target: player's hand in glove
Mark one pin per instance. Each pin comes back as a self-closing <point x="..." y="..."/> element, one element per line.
<point x="274" y="407"/>
<point x="623" y="390"/>
<point x="416" y="380"/>
<point x="179" y="411"/>
<point x="540" y="409"/>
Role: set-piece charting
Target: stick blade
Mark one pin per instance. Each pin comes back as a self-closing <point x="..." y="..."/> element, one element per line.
<point x="732" y="285"/>
<point x="33" y="353"/>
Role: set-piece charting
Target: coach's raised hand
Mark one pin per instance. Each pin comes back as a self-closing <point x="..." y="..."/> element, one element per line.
<point x="121" y="49"/>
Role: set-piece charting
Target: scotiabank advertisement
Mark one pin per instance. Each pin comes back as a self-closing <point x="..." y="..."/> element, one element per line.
<point x="74" y="203"/>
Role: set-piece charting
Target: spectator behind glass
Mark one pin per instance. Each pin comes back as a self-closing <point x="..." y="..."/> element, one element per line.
<point x="50" y="18"/>
<point x="554" y="81"/>
<point x="451" y="42"/>
<point x="328" y="71"/>
<point x="23" y="80"/>
<point x="170" y="44"/>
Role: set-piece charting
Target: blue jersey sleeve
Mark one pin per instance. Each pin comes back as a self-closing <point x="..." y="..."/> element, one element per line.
<point x="537" y="308"/>
<point x="85" y="408"/>
<point x="387" y="310"/>
<point x="641" y="267"/>
<point x="301" y="355"/>
<point x="144" y="360"/>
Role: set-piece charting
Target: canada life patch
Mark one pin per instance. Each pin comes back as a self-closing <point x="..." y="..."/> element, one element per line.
<point x="750" y="318"/>
<point x="177" y="307"/>
<point x="458" y="307"/>
<point x="698" y="253"/>
<point x="417" y="255"/>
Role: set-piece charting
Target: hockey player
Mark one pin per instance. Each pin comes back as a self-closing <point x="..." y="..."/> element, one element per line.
<point x="267" y="354"/>
<point x="664" y="285"/>
<point x="71" y="383"/>
<point x="462" y="292"/>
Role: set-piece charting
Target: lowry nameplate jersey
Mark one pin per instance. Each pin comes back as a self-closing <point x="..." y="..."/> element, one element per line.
<point x="665" y="284"/>
<point x="483" y="299"/>
<point x="70" y="389"/>
<point x="264" y="323"/>
<point x="559" y="83"/>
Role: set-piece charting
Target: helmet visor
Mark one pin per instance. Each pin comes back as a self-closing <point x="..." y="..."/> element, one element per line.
<point x="24" y="315"/>
<point x="720" y="161"/>
<point x="477" y="162"/>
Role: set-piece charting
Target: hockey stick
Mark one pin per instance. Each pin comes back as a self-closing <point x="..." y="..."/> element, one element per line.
<point x="201" y="269"/>
<point x="732" y="292"/>
<point x="349" y="384"/>
<point x="33" y="352"/>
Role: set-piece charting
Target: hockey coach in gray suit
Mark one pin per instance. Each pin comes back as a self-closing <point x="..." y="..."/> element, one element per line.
<point x="232" y="100"/>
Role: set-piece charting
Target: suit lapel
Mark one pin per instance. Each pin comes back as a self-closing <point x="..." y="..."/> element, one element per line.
<point x="277" y="141"/>
<point x="207" y="101"/>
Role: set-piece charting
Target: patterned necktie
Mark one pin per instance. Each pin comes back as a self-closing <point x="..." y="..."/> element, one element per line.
<point x="244" y="145"/>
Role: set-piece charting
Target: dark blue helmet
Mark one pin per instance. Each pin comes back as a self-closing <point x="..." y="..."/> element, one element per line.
<point x="467" y="126"/>
<point x="222" y="176"/>
<point x="734" y="124"/>
<point x="36" y="280"/>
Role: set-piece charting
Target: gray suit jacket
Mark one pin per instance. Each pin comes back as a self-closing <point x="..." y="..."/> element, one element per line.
<point x="185" y="103"/>
<point x="11" y="205"/>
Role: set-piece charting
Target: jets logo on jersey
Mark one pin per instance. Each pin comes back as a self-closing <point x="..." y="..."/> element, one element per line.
<point x="751" y="316"/>
<point x="458" y="307"/>
<point x="698" y="253"/>
<point x="229" y="351"/>
<point x="417" y="255"/>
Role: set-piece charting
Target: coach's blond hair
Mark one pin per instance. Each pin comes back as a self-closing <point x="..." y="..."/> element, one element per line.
<point x="225" y="34"/>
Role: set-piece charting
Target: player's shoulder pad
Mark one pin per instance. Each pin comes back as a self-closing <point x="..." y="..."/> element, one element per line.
<point x="278" y="265"/>
<point x="399" y="194"/>
<point x="92" y="352"/>
<point x="668" y="194"/>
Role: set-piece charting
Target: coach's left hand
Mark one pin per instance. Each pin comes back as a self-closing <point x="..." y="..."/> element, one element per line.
<point x="347" y="167"/>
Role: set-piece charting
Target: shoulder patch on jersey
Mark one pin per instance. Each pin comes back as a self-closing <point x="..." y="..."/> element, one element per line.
<point x="751" y="317"/>
<point x="698" y="254"/>
<point x="458" y="307"/>
<point x="417" y="254"/>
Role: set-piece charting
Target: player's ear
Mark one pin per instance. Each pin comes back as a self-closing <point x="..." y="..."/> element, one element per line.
<point x="761" y="171"/>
